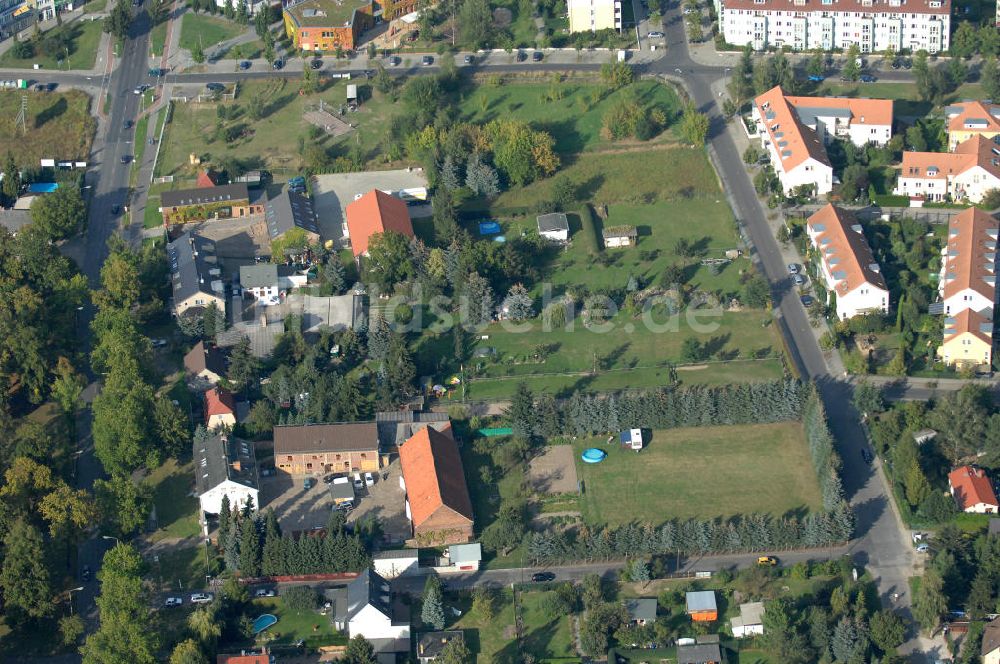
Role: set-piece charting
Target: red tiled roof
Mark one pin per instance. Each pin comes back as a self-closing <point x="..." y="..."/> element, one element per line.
<point x="376" y="212"/>
<point x="844" y="249"/>
<point x="972" y="241"/>
<point x="864" y="111"/>
<point x="976" y="151"/>
<point x="242" y="659"/>
<point x="433" y="474"/>
<point x="971" y="487"/>
<point x="968" y="321"/>
<point x="219" y="402"/>
<point x="206" y="179"/>
<point x="794" y="141"/>
<point x="972" y="111"/>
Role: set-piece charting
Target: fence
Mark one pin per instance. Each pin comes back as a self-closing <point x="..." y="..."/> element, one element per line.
<point x="869" y="214"/>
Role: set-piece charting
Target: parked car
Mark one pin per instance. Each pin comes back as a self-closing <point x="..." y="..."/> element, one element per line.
<point x="866" y="456"/>
<point x="469" y="59"/>
<point x="427" y="60"/>
<point x="807" y="300"/>
<point x="542" y="577"/>
<point x="537" y="56"/>
<point x="521" y="56"/>
<point x="799" y="280"/>
<point x="369" y="480"/>
<point x="156" y="72"/>
<point x="127" y="124"/>
<point x="767" y="561"/>
<point x="308" y="483"/>
<point x="394" y="60"/>
<point x="358" y="483"/>
<point x="316" y="64"/>
<point x="329" y="479"/>
<point x="201" y="598"/>
<point x="278" y="64"/>
<point x="215" y="87"/>
<point x="793" y="268"/>
<point x="126" y="158"/>
<point x="264" y="592"/>
<point x="655" y="34"/>
<point x="923" y="548"/>
<point x="159" y="343"/>
<point x="244" y="64"/>
<point x="174" y="601"/>
<point x="868" y="78"/>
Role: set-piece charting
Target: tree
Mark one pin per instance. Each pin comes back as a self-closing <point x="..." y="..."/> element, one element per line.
<point x="851" y="70"/>
<point x="965" y="41"/>
<point x="481" y="178"/>
<point x="848" y="640"/>
<point x="506" y="532"/>
<point x="518" y="303"/>
<point x="71" y="628"/>
<point x="475" y="24"/>
<point x="989" y="75"/>
<point x="300" y="598"/>
<point x="24" y="576"/>
<point x="455" y="652"/>
<point x="389" y="261"/>
<point x="478" y="301"/>
<point x="929" y="602"/>
<point x="243" y="365"/>
<point x="616" y="74"/>
<point x="60" y="214"/>
<point x="125" y="633"/>
<point x="521" y="412"/>
<point x="639" y="571"/>
<point x="383" y="81"/>
<point x="522" y="154"/>
<point x="117" y="22"/>
<point x="484" y="602"/>
<point x="67" y="386"/>
<point x="563" y="192"/>
<point x="432" y="612"/>
<point x="379" y="336"/>
<point x="198" y="53"/>
<point x="694" y="126"/>
<point x="816" y="65"/>
<point x="250" y="549"/>
<point x="188" y="652"/>
<point x="203" y="624"/>
<point x="359" y="651"/>
<point x="868" y="398"/>
<point x="781" y="636"/>
<point x="333" y="273"/>
<point x="10" y="186"/>
<point x="887" y="630"/>
<point x="123" y="504"/>
<point x="213" y="321"/>
<point x="756" y="292"/>
<point x="260" y="25"/>
<point x="171" y="427"/>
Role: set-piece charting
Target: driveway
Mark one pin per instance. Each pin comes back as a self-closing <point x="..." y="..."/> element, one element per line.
<point x="333" y="192"/>
<point x="296" y="508"/>
<point x="386" y="502"/>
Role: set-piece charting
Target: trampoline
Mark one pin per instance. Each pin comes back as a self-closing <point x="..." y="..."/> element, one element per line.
<point x="593" y="455"/>
<point x="262" y="622"/>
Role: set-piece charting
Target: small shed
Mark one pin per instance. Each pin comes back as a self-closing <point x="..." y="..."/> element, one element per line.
<point x="553" y="226"/>
<point x="352" y="95"/>
<point x="398" y="562"/>
<point x="465" y="557"/>
<point x="701" y="653"/>
<point x="620" y="236"/>
<point x="430" y="644"/>
<point x="750" y="621"/>
<point x="701" y="606"/>
<point x="924" y="436"/>
<point x="641" y="611"/>
<point x="631" y="439"/>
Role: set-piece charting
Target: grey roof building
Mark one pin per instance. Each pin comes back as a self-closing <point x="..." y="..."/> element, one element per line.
<point x="552" y="222"/>
<point x="259" y="275"/>
<point x="642" y="610"/>
<point x="208" y="362"/>
<point x="702" y="600"/>
<point x="430" y="644"/>
<point x="224" y="465"/>
<point x="702" y="653"/>
<point x="369" y="589"/>
<point x="195" y="275"/>
<point x="290" y="210"/>
<point x="396" y="427"/>
<point x="202" y="195"/>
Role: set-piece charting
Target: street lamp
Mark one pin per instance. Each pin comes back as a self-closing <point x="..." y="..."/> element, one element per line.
<point x="109" y="537"/>
<point x="73" y="590"/>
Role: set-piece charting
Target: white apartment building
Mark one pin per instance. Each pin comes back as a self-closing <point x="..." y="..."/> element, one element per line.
<point x="795" y="131"/>
<point x="846" y="262"/>
<point x="594" y="15"/>
<point x="965" y="174"/>
<point x="874" y="25"/>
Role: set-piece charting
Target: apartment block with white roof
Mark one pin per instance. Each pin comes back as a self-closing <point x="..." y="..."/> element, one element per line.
<point x="846" y="262"/>
<point x="874" y="25"/>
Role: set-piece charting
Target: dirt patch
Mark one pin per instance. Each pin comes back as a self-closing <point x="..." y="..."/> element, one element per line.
<point x="553" y="471"/>
<point x="502" y="17"/>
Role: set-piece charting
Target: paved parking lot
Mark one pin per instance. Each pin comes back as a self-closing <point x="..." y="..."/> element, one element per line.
<point x="386" y="502"/>
<point x="333" y="192"/>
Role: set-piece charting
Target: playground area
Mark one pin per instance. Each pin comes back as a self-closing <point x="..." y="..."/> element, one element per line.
<point x="553" y="471"/>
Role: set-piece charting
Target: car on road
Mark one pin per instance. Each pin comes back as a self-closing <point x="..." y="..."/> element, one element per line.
<point x="201" y="598"/>
<point x="767" y="561"/>
<point x="156" y="72"/>
<point x="542" y="577"/>
<point x="278" y="64"/>
<point x="537" y="56"/>
<point x="115" y="209"/>
<point x="244" y="64"/>
<point x="817" y="78"/>
<point x="394" y="60"/>
<point x="798" y="279"/>
<point x="215" y="87"/>
<point x="521" y="56"/>
<point x="807" y="300"/>
<point x="866" y="456"/>
<point x="427" y="60"/>
<point x="173" y="601"/>
<point x="127" y="124"/>
<point x="867" y="78"/>
<point x="85" y="574"/>
<point x="369" y="480"/>
<point x="139" y="89"/>
<point x="264" y="592"/>
<point x="655" y="34"/>
<point x="793" y="268"/>
<point x="897" y="64"/>
<point x="329" y="479"/>
<point x="308" y="483"/>
<point x="126" y="158"/>
<point x="907" y="63"/>
<point x="316" y="64"/>
<point x="159" y="343"/>
<point x="469" y="60"/>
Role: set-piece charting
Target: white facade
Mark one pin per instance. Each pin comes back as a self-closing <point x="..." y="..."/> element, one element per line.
<point x="968" y="298"/>
<point x="561" y="235"/>
<point x="373" y="624"/>
<point x="594" y="15"/>
<point x="211" y="500"/>
<point x="617" y="241"/>
<point x="253" y="6"/>
<point x="221" y="420"/>
<point x="390" y="564"/>
<point x="810" y="172"/>
<point x="864" y="299"/>
<point x="826" y="25"/>
<point x="971" y="184"/>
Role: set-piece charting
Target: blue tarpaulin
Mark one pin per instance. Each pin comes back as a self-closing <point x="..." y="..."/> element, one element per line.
<point x="488" y="228"/>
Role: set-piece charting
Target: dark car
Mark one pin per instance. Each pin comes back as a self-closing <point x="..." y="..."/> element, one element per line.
<point x="278" y="64"/>
<point x="469" y="60"/>
<point x="85" y="574"/>
<point x="215" y="87"/>
<point x="394" y="61"/>
<point x="328" y="479"/>
<point x="52" y="86"/>
<point x="427" y="60"/>
<point x="537" y="56"/>
<point x="867" y="456"/>
<point x="542" y="577"/>
<point x="126" y="158"/>
<point x="521" y="56"/>
<point x="807" y="300"/>
<point x="156" y="72"/>
<point x="127" y="124"/>
<point x="896" y="64"/>
<point x="244" y="64"/>
<point x="907" y="63"/>
<point x="115" y="209"/>
<point x="867" y="78"/>
<point x="316" y="64"/>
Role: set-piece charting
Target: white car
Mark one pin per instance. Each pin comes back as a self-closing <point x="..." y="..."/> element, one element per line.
<point x="923" y="548"/>
<point x="264" y="592"/>
<point x="201" y="598"/>
<point x="173" y="601"/>
<point x="369" y="480"/>
<point x="358" y="484"/>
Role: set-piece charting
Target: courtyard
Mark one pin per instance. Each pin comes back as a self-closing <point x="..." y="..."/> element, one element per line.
<point x="333" y="192"/>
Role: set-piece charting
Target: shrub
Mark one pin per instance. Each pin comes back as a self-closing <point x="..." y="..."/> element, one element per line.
<point x="300" y="598"/>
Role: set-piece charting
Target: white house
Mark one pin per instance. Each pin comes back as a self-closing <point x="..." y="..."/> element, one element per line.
<point x="846" y="263"/>
<point x="553" y="226"/>
<point x="367" y="610"/>
<point x="253" y="6"/>
<point x="795" y="130"/>
<point x="750" y="621"/>
<point x="969" y="263"/>
<point x="390" y="564"/>
<point x="594" y="15"/>
<point x="225" y="466"/>
<point x="965" y="174"/>
<point x="973" y="491"/>
<point x="874" y="25"/>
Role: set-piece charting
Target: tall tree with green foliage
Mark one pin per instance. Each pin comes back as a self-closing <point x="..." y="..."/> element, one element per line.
<point x="243" y="366"/>
<point x="125" y="633"/>
<point x="929" y="602"/>
<point x="24" y="576"/>
<point x="10" y="187"/>
<point x="694" y="126"/>
<point x="475" y="24"/>
<point x="521" y="411"/>
<point x="432" y="611"/>
<point x="187" y="652"/>
<point x="59" y="214"/>
<point x="359" y="651"/>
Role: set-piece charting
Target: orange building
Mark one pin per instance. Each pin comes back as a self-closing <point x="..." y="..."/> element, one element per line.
<point x="323" y="25"/>
<point x="701" y="606"/>
<point x="375" y="212"/>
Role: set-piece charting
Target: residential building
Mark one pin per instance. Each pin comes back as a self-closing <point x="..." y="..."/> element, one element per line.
<point x="846" y="263"/>
<point x="373" y="213"/>
<point x="465" y="557"/>
<point x="968" y="119"/>
<point x="220" y="408"/>
<point x="641" y="611"/>
<point x="553" y="226"/>
<point x="318" y="449"/>
<point x="253" y="6"/>
<point x="261" y="281"/>
<point x="699" y="653"/>
<point x="973" y="491"/>
<point x="874" y="25"/>
<point x="207" y="363"/>
<point x="225" y="466"/>
<point x="795" y="131"/>
<point x="430" y="644"/>
<point x="326" y="25"/>
<point x="750" y="621"/>
<point x="968" y="173"/>
<point x="367" y="610"/>
<point x="990" y="646"/>
<point x="968" y="289"/>
<point x="701" y="606"/>
<point x="619" y="236"/>
<point x="15" y="15"/>
<point x="594" y="15"/>
<point x="195" y="275"/>
<point x="220" y="202"/>
<point x="437" y="499"/>
<point x="395" y="562"/>
<point x="289" y="210"/>
<point x="397" y="426"/>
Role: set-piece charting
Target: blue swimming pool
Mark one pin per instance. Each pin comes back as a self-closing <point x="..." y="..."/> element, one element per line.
<point x="263" y="622"/>
<point x="593" y="455"/>
<point x="42" y="187"/>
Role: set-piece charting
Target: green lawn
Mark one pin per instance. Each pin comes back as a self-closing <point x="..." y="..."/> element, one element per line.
<point x="548" y="638"/>
<point x="315" y="628"/>
<point x="58" y="123"/>
<point x="180" y="569"/>
<point x="488" y="639"/>
<point x="139" y="141"/>
<point x="907" y="100"/>
<point x="207" y="31"/>
<point x="158" y="38"/>
<point x="84" y="37"/>
<point x="176" y="509"/>
<point x="700" y="472"/>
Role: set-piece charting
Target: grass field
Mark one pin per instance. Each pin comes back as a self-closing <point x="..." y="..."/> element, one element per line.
<point x="207" y="31"/>
<point x="158" y="38"/>
<point x="701" y="472"/>
<point x="314" y="628"/>
<point x="84" y="37"/>
<point x="180" y="569"/>
<point x="548" y="638"/>
<point x="487" y="640"/>
<point x="907" y="101"/>
<point x="176" y="510"/>
<point x="59" y="126"/>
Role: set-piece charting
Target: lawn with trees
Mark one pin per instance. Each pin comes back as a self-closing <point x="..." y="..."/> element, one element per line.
<point x="49" y="49"/>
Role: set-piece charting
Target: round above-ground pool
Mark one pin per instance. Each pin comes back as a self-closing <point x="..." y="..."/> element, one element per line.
<point x="593" y="455"/>
<point x="262" y="622"/>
